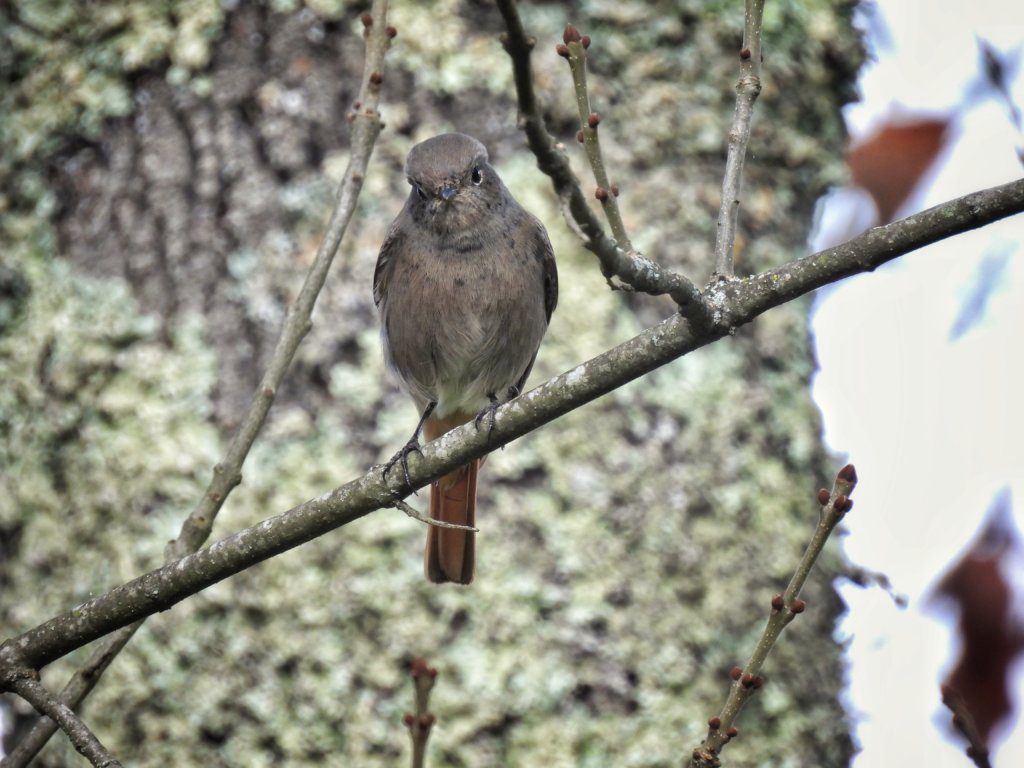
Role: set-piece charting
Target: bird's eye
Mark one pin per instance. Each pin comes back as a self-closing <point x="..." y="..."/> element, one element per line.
<point x="417" y="187"/>
<point x="477" y="176"/>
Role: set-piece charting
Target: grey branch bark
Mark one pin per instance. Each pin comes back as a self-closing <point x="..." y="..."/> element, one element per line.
<point x="53" y="709"/>
<point x="227" y="474"/>
<point x="731" y="304"/>
<point x="748" y="88"/>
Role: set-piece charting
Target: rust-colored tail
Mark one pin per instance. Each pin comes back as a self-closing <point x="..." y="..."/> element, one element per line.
<point x="450" y="554"/>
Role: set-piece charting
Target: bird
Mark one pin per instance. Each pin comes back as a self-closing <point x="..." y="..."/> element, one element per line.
<point x="465" y="286"/>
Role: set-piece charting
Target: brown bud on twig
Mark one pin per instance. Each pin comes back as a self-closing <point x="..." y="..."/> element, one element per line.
<point x="570" y="34"/>
<point x="615" y="189"/>
<point x="745" y="54"/>
<point x="797" y="606"/>
<point x="418" y="667"/>
<point x="585" y="41"/>
<point x="391" y="32"/>
<point x="593" y="120"/>
<point x="823" y="497"/>
<point x="376" y="78"/>
<point x="367" y="20"/>
<point x="580" y="137"/>
<point x="747" y="681"/>
<point x="562" y="50"/>
<point x="601" y="194"/>
<point x="735" y="673"/>
<point x="426" y="720"/>
<point x="778" y="603"/>
<point x="848" y="473"/>
<point x="758" y="681"/>
<point x="848" y="505"/>
<point x="714" y="723"/>
<point x="733" y="732"/>
<point x="840" y="503"/>
<point x="408" y="718"/>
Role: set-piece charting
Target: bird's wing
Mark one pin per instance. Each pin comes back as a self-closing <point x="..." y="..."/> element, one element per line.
<point x="386" y="262"/>
<point x="543" y="252"/>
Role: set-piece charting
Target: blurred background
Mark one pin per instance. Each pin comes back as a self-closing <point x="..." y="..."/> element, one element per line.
<point x="168" y="170"/>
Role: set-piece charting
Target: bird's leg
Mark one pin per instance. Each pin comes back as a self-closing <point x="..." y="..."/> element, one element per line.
<point x="413" y="446"/>
<point x="488" y="412"/>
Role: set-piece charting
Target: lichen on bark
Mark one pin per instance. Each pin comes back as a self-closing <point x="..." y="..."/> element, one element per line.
<point x="627" y="555"/>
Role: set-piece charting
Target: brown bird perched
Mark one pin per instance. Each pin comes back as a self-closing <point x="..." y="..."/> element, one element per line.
<point x="465" y="284"/>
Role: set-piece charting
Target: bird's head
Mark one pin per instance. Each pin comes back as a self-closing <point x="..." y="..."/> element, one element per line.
<point x="454" y="187"/>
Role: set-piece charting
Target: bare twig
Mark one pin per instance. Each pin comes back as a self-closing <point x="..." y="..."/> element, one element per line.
<point x="430" y="520"/>
<point x="735" y="303"/>
<point x="228" y="472"/>
<point x="575" y="52"/>
<point x="963" y="721"/>
<point x="640" y="273"/>
<point x="422" y="720"/>
<point x="748" y="87"/>
<point x="784" y="608"/>
<point x="53" y="710"/>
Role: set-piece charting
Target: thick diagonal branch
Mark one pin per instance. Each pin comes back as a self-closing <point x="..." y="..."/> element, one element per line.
<point x="228" y="472"/>
<point x="748" y="88"/>
<point x="733" y="303"/>
<point x="640" y="273"/>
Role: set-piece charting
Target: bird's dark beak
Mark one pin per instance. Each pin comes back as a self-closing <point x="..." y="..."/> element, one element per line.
<point x="447" y="192"/>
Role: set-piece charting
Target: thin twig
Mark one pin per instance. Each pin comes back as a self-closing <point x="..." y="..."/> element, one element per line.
<point x="784" y="608"/>
<point x="575" y="52"/>
<point x="227" y="473"/>
<point x="735" y="303"/>
<point x="422" y="720"/>
<point x="963" y="721"/>
<point x="430" y="520"/>
<point x="640" y="273"/>
<point x="748" y="87"/>
<point x="56" y="711"/>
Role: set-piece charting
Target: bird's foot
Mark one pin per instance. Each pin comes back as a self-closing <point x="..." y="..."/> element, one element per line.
<point x="402" y="457"/>
<point x="488" y="413"/>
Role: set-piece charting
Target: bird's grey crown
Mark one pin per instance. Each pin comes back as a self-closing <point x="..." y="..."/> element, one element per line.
<point x="436" y="160"/>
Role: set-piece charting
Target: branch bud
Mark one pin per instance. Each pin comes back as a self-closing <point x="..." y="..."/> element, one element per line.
<point x="778" y="603"/>
<point x="841" y="502"/>
<point x="745" y="54"/>
<point x="733" y="732"/>
<point x="848" y="473"/>
<point x="580" y="137"/>
<point x="585" y="41"/>
<point x="615" y="189"/>
<point x="735" y="673"/>
<point x="376" y="78"/>
<point x="570" y="34"/>
<point x="758" y="681"/>
<point x="823" y="497"/>
<point x="747" y="681"/>
<point x="562" y="50"/>
<point x="848" y="505"/>
<point x="408" y="718"/>
<point x="797" y="606"/>
<point x="714" y="723"/>
<point x="593" y="120"/>
<point x="391" y="32"/>
<point x="426" y="720"/>
<point x="367" y="20"/>
<point x="601" y="194"/>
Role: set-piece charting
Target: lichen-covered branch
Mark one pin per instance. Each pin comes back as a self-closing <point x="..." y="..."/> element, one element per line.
<point x="748" y="88"/>
<point x="574" y="50"/>
<point x="639" y="273"/>
<point x="784" y="608"/>
<point x="734" y="304"/>
<point x="54" y="710"/>
<point x="227" y="474"/>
